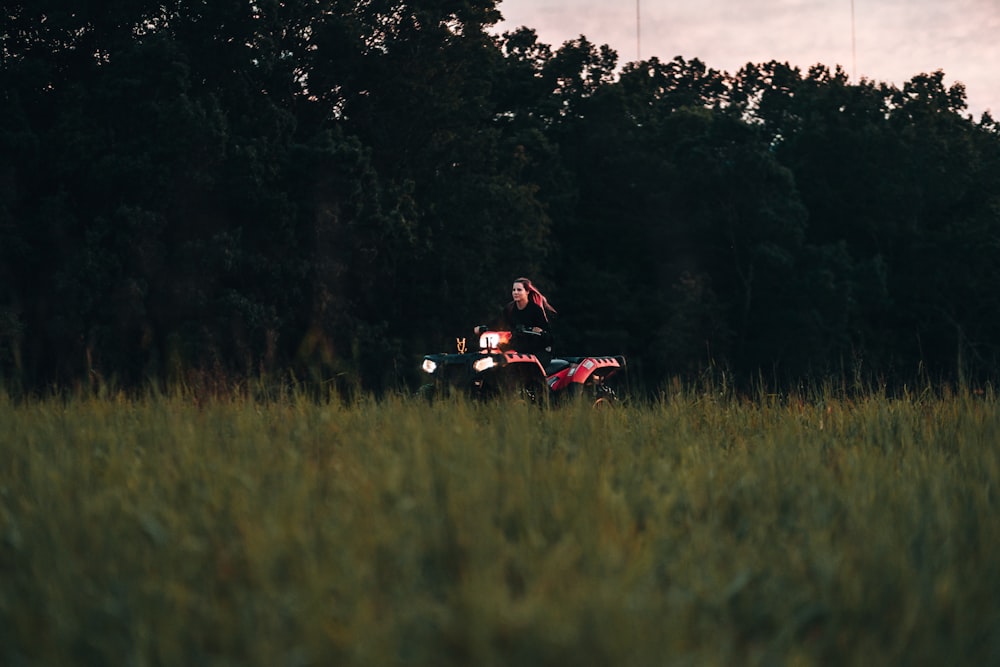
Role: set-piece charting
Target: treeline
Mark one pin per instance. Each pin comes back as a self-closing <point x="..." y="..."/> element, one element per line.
<point x="331" y="189"/>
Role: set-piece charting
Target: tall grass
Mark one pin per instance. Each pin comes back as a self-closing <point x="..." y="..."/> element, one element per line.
<point x="691" y="530"/>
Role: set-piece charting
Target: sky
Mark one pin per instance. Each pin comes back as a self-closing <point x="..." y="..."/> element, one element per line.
<point x="887" y="40"/>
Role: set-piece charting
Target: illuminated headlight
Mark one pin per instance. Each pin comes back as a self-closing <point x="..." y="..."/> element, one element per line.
<point x="489" y="340"/>
<point x="429" y="366"/>
<point x="484" y="364"/>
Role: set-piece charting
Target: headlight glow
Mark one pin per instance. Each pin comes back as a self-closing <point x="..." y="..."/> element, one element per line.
<point x="489" y="340"/>
<point x="429" y="366"/>
<point x="486" y="363"/>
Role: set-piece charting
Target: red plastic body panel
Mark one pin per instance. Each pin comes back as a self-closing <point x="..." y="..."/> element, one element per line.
<point x="512" y="357"/>
<point x="581" y="372"/>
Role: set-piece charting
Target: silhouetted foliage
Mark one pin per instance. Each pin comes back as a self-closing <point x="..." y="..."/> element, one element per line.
<point x="327" y="190"/>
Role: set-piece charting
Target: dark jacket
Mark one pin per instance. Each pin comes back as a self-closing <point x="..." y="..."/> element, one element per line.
<point x="518" y="321"/>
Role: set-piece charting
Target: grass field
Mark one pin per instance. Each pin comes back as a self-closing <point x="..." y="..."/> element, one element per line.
<point x="693" y="530"/>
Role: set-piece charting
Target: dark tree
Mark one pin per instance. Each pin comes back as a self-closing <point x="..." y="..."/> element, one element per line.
<point x="231" y="190"/>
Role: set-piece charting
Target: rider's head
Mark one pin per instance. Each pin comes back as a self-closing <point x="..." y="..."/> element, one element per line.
<point x="523" y="288"/>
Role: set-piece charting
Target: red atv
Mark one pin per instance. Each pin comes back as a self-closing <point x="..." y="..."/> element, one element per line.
<point x="494" y="368"/>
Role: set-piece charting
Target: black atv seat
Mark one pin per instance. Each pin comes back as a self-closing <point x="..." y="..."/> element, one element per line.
<point x="556" y="365"/>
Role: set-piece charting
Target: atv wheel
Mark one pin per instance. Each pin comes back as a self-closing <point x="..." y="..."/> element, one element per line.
<point x="598" y="395"/>
<point x="427" y="391"/>
<point x="534" y="392"/>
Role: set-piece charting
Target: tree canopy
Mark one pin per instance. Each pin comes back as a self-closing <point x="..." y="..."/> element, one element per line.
<point x="334" y="188"/>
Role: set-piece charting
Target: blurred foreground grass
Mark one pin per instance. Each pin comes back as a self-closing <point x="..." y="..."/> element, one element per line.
<point x="693" y="530"/>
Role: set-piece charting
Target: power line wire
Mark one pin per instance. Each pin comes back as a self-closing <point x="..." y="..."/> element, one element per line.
<point x="638" y="33"/>
<point x="854" y="49"/>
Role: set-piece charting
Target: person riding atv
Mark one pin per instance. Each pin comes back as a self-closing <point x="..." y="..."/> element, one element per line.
<point x="527" y="318"/>
<point x="517" y="357"/>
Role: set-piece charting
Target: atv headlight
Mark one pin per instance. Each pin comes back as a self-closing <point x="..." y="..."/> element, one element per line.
<point x="484" y="364"/>
<point x="429" y="366"/>
<point x="489" y="340"/>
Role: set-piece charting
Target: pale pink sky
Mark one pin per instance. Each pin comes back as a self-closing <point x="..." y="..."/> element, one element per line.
<point x="894" y="39"/>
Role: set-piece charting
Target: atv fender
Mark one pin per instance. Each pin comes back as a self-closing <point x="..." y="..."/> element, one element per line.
<point x="595" y="367"/>
<point x="524" y="360"/>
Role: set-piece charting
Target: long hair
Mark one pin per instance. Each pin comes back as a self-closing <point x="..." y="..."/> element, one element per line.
<point x="536" y="297"/>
